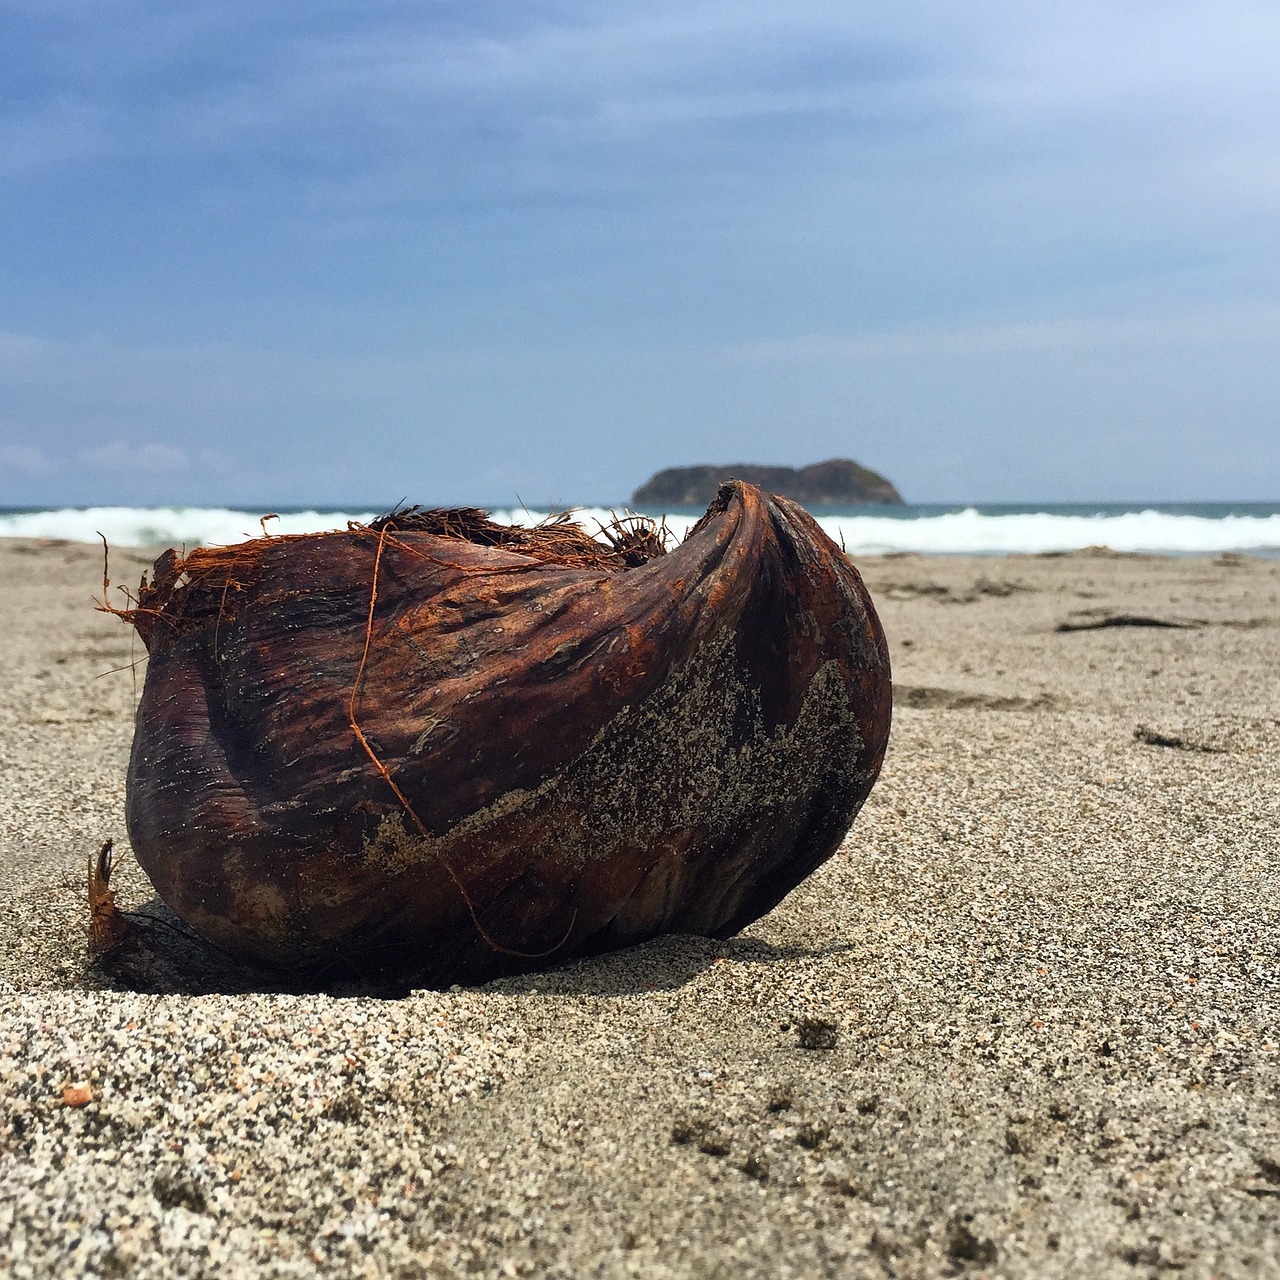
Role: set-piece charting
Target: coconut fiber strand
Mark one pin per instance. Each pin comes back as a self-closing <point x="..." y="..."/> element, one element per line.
<point x="450" y="749"/>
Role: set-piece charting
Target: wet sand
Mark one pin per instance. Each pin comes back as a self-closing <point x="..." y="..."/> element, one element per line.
<point x="1025" y="1023"/>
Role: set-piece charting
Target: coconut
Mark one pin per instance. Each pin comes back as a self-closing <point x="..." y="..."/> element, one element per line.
<point x="449" y="749"/>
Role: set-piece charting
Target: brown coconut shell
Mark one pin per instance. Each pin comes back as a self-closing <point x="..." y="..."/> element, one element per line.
<point x="450" y="749"/>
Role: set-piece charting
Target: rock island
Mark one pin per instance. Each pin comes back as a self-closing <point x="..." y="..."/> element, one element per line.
<point x="837" y="482"/>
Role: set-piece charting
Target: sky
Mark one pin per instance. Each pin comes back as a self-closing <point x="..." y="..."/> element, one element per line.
<point x="356" y="253"/>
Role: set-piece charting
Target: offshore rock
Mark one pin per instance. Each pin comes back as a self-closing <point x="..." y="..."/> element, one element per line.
<point x="447" y="749"/>
<point x="837" y="482"/>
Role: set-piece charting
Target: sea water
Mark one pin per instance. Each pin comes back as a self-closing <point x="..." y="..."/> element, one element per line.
<point x="979" y="529"/>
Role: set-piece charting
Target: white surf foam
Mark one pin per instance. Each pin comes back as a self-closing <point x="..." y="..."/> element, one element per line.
<point x="970" y="532"/>
<point x="166" y="526"/>
<point x="957" y="533"/>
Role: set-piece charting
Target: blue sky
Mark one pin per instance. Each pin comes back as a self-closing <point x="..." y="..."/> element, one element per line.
<point x="352" y="253"/>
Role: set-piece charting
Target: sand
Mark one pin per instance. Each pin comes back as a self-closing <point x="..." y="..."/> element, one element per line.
<point x="1023" y="1024"/>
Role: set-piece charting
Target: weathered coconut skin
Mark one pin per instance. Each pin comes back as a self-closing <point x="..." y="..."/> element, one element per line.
<point x="590" y="756"/>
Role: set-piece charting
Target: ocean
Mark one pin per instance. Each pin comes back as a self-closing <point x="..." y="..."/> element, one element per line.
<point x="1203" y="528"/>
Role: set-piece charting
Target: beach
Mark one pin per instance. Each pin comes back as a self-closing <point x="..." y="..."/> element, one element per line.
<point x="1026" y="1022"/>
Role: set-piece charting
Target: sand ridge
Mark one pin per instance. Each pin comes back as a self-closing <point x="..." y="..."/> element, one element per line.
<point x="1024" y="1024"/>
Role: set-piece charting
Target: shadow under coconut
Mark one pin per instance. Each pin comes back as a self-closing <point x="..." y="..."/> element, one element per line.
<point x="661" y="964"/>
<point x="161" y="955"/>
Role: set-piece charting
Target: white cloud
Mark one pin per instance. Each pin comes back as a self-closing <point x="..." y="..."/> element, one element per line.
<point x="390" y="101"/>
<point x="25" y="459"/>
<point x="119" y="455"/>
<point x="21" y="352"/>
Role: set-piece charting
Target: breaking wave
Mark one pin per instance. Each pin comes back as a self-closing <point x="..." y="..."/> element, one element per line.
<point x="166" y="526"/>
<point x="1202" y="530"/>
<point x="970" y="532"/>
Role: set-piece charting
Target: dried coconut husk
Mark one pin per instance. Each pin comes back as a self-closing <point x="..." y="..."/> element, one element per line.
<point x="450" y="749"/>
